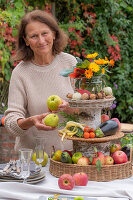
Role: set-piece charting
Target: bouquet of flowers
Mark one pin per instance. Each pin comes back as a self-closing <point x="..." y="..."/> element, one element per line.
<point x="88" y="74"/>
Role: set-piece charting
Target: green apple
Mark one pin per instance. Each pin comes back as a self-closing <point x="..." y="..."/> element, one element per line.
<point x="44" y="162"/>
<point x="78" y="198"/>
<point x="51" y="120"/>
<point x="76" y="156"/>
<point x="53" y="102"/>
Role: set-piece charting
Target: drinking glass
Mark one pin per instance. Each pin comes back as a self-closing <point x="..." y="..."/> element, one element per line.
<point x="40" y="148"/>
<point x="25" y="159"/>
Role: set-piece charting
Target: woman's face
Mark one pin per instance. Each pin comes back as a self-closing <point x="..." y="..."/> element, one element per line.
<point x="40" y="38"/>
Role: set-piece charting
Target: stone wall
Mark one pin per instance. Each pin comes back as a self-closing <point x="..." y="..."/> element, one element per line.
<point x="7" y="146"/>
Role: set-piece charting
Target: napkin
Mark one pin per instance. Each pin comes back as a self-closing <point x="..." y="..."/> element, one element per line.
<point x="13" y="169"/>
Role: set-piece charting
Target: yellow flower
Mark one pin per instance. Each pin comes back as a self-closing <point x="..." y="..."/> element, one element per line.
<point x="94" y="67"/>
<point x="88" y="73"/>
<point x="101" y="61"/>
<point x="92" y="55"/>
<point x="103" y="71"/>
<point x="106" y="59"/>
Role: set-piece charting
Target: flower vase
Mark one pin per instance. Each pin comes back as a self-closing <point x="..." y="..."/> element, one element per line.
<point x="93" y="85"/>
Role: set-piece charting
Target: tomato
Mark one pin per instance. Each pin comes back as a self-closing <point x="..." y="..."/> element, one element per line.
<point x="86" y="129"/>
<point x="92" y="134"/>
<point x="86" y="135"/>
<point x="92" y="130"/>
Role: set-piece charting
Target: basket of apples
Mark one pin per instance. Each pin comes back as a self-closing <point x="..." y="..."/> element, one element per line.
<point x="99" y="167"/>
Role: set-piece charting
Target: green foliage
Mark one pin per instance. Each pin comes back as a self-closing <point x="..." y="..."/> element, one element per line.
<point x="68" y="117"/>
<point x="127" y="140"/>
<point x="93" y="26"/>
<point x="106" y="29"/>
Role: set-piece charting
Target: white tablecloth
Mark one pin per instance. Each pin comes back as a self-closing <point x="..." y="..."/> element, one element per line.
<point x="113" y="190"/>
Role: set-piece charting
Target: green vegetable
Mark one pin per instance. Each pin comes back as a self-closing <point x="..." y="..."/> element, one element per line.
<point x="66" y="158"/>
<point x="80" y="132"/>
<point x="99" y="133"/>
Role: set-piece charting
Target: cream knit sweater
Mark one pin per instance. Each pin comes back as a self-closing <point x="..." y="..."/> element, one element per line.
<point x="29" y="89"/>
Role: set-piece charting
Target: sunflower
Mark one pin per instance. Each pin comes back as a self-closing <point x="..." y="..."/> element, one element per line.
<point x="94" y="67"/>
<point x="88" y="73"/>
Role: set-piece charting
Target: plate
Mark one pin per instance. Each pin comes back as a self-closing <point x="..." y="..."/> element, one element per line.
<point x="32" y="180"/>
<point x="62" y="197"/>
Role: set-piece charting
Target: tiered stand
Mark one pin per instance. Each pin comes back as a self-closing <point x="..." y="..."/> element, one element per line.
<point x="90" y="114"/>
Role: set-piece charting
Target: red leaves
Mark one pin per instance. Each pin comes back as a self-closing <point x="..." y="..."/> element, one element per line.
<point x="114" y="51"/>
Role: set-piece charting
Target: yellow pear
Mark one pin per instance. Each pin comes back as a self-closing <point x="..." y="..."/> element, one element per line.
<point x="44" y="162"/>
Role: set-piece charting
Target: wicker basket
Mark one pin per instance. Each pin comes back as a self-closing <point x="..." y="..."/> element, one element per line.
<point x="107" y="172"/>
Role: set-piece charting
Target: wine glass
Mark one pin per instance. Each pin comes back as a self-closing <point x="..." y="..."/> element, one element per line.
<point x="25" y="159"/>
<point x="39" y="148"/>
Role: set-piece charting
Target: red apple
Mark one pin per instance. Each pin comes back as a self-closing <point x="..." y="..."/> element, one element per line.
<point x="83" y="161"/>
<point x="96" y="156"/>
<point x="108" y="160"/>
<point x="114" y="148"/>
<point x="104" y="118"/>
<point x="80" y="178"/>
<point x="118" y="122"/>
<point x="68" y="152"/>
<point x="66" y="182"/>
<point x="120" y="157"/>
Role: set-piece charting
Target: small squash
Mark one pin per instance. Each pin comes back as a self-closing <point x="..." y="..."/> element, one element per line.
<point x="107" y="91"/>
<point x="66" y="158"/>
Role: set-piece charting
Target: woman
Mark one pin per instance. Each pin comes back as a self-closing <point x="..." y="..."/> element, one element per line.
<point x="40" y="48"/>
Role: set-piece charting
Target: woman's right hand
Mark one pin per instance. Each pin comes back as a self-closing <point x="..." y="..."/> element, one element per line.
<point x="36" y="121"/>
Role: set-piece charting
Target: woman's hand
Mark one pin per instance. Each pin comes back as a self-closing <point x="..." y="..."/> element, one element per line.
<point x="64" y="105"/>
<point x="61" y="107"/>
<point x="36" y="121"/>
